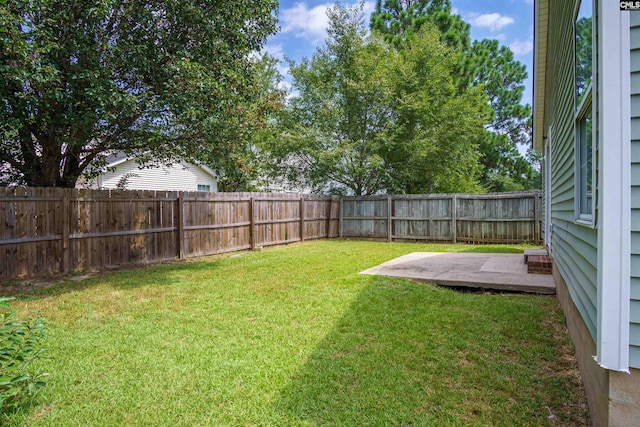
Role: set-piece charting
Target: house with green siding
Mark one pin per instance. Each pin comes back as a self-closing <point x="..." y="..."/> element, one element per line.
<point x="586" y="122"/>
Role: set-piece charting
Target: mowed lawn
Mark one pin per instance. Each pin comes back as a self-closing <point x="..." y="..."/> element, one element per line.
<point x="293" y="336"/>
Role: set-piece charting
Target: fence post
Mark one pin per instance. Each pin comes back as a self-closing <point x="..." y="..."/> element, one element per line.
<point x="180" y="220"/>
<point x="389" y="218"/>
<point x="454" y="217"/>
<point x="536" y="217"/>
<point x="66" y="224"/>
<point x="329" y="218"/>
<point x="252" y="226"/>
<point x="302" y="218"/>
<point x="341" y="217"/>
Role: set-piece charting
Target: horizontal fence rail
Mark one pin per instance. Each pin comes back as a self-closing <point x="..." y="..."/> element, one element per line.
<point x="469" y="218"/>
<point x="54" y="230"/>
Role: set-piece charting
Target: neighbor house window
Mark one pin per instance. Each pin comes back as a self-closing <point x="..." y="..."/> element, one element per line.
<point x="584" y="51"/>
<point x="204" y="187"/>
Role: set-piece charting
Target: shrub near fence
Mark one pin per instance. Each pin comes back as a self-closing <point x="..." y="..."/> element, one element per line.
<point x="51" y="230"/>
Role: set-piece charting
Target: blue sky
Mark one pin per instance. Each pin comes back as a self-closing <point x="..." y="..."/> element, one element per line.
<point x="303" y="27"/>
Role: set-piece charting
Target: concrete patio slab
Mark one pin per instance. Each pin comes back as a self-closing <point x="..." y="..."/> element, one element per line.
<point x="488" y="271"/>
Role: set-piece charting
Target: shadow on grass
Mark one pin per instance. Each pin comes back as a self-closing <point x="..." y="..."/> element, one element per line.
<point x="412" y="354"/>
<point x="127" y="278"/>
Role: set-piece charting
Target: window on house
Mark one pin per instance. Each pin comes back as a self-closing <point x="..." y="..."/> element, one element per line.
<point x="204" y="187"/>
<point x="583" y="30"/>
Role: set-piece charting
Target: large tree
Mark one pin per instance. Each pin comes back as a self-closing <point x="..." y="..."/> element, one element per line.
<point x="333" y="126"/>
<point x="502" y="77"/>
<point x="369" y="118"/>
<point x="483" y="64"/>
<point x="252" y="123"/>
<point x="432" y="146"/>
<point x="85" y="78"/>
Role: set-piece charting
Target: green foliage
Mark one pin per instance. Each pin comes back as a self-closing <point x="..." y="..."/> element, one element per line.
<point x="20" y="345"/>
<point x="253" y="124"/>
<point x="155" y="78"/>
<point x="485" y="65"/>
<point x="400" y="20"/>
<point x="432" y="145"/>
<point x="502" y="78"/>
<point x="334" y="127"/>
<point x="370" y="118"/>
<point x="504" y="168"/>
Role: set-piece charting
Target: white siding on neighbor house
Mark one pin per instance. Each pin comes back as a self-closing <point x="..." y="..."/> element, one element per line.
<point x="178" y="177"/>
<point x="634" y="350"/>
<point x="574" y="246"/>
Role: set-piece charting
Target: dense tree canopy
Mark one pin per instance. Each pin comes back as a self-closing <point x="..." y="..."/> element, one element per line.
<point x="158" y="78"/>
<point x="483" y="64"/>
<point x="399" y="20"/>
<point x="369" y="118"/>
<point x="334" y="125"/>
<point x="254" y="124"/>
<point x="432" y="146"/>
<point x="502" y="78"/>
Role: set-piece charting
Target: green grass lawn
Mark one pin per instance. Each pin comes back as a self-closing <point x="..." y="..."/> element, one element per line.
<point x="293" y="336"/>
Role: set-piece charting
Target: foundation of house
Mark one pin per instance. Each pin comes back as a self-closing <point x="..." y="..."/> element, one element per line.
<point x="614" y="397"/>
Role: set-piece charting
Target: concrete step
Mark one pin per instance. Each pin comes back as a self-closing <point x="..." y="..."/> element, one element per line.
<point x="534" y="252"/>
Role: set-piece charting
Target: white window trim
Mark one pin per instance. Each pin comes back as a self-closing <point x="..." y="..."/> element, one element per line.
<point x="587" y="220"/>
<point x="614" y="215"/>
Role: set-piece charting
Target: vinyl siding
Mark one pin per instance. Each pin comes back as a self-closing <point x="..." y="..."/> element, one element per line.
<point x="574" y="246"/>
<point x="543" y="199"/>
<point x="178" y="177"/>
<point x="634" y="333"/>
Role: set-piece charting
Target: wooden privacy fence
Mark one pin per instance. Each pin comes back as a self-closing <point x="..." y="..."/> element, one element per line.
<point x="49" y="230"/>
<point x="469" y="218"/>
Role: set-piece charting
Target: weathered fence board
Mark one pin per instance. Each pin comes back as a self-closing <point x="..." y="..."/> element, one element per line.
<point x="472" y="218"/>
<point x="364" y="217"/>
<point x="30" y="231"/>
<point x="49" y="230"/>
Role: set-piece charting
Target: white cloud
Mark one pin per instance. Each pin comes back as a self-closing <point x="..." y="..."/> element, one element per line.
<point x="493" y="21"/>
<point x="528" y="1"/>
<point x="500" y="37"/>
<point x="274" y="50"/>
<point x="312" y="23"/>
<point x="521" y="48"/>
<point x="307" y="23"/>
